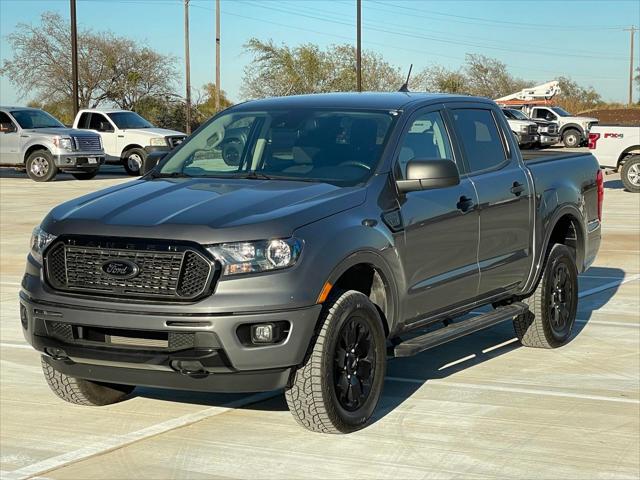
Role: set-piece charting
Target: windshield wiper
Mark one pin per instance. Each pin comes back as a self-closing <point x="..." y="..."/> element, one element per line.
<point x="253" y="175"/>
<point x="170" y="175"/>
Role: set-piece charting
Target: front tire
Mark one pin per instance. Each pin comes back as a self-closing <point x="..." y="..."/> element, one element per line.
<point x="553" y="305"/>
<point x="132" y="160"/>
<point x="338" y="386"/>
<point x="83" y="392"/>
<point x="630" y="174"/>
<point x="41" y="167"/>
<point x="571" y="138"/>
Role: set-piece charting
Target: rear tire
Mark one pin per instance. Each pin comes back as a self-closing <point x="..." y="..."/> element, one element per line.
<point x="571" y="138"/>
<point x="630" y="173"/>
<point x="133" y="160"/>
<point x="83" y="392"/>
<point x="338" y="386"/>
<point x="553" y="305"/>
<point x="85" y="175"/>
<point x="41" y="167"/>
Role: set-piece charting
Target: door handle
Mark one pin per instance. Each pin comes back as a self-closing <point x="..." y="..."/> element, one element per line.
<point x="517" y="189"/>
<point x="465" y="204"/>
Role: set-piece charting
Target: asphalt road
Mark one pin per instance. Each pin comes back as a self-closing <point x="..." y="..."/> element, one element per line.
<point x="479" y="407"/>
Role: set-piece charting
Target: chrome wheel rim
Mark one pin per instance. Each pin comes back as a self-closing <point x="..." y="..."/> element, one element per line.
<point x="39" y="167"/>
<point x="134" y="162"/>
<point x="633" y="174"/>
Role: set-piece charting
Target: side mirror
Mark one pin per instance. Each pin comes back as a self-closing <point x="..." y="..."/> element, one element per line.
<point x="151" y="162"/>
<point x="7" y="127"/>
<point x="105" y="127"/>
<point x="424" y="174"/>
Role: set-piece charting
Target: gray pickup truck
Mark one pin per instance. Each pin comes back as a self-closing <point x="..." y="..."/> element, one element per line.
<point x="33" y="140"/>
<point x="336" y="227"/>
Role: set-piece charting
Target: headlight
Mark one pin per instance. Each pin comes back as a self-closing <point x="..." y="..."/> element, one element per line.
<point x="261" y="256"/>
<point x="40" y="240"/>
<point x="63" y="143"/>
<point x="158" y="142"/>
<point x="524" y="128"/>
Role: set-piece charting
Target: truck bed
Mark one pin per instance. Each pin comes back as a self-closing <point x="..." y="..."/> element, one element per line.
<point x="539" y="156"/>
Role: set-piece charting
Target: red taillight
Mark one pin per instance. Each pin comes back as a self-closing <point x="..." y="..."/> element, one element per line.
<point x="600" y="183"/>
<point x="593" y="139"/>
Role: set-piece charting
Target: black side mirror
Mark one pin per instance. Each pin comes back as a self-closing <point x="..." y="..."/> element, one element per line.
<point x="424" y="174"/>
<point x="105" y="127"/>
<point x="151" y="162"/>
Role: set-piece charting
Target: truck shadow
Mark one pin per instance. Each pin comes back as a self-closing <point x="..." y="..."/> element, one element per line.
<point x="614" y="184"/>
<point x="106" y="173"/>
<point x="405" y="376"/>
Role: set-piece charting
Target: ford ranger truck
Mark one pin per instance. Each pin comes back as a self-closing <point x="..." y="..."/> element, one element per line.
<point x="127" y="137"/>
<point x="34" y="141"/>
<point x="617" y="147"/>
<point x="339" y="228"/>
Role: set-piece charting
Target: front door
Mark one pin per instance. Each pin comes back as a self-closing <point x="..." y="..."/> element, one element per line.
<point x="439" y="255"/>
<point x="105" y="128"/>
<point x="9" y="141"/>
<point x="504" y="194"/>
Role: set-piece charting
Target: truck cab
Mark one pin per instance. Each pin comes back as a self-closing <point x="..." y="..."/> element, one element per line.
<point x="127" y="137"/>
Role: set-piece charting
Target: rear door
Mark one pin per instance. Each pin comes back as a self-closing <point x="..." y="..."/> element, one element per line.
<point x="439" y="255"/>
<point x="504" y="195"/>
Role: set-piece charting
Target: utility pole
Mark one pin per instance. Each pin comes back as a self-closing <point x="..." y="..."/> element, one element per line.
<point x="217" y="56"/>
<point x="74" y="58"/>
<point x="632" y="31"/>
<point x="359" y="45"/>
<point x="187" y="66"/>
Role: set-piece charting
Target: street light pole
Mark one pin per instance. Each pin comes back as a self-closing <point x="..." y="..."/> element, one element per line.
<point x="187" y="66"/>
<point x="217" y="56"/>
<point x="74" y="58"/>
<point x="359" y="45"/>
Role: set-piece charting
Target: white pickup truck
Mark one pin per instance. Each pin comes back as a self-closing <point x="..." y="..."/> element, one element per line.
<point x="126" y="136"/>
<point x="618" y="148"/>
<point x="574" y="130"/>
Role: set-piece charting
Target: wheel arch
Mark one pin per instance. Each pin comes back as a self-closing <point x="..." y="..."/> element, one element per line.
<point x="130" y="147"/>
<point x="566" y="228"/>
<point x="33" y="148"/>
<point x="623" y="155"/>
<point x="571" y="126"/>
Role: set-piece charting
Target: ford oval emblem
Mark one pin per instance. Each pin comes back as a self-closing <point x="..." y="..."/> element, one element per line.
<point x="122" y="269"/>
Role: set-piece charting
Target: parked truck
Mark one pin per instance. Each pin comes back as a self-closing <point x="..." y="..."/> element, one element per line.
<point x="33" y="140"/>
<point x="524" y="129"/>
<point x="127" y="137"/>
<point x="342" y="226"/>
<point x="618" y="148"/>
<point x="546" y="132"/>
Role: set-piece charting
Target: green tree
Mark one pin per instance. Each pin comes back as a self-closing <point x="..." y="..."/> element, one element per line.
<point x="575" y="98"/>
<point x="206" y="107"/>
<point x="278" y="70"/>
<point x="439" y="79"/>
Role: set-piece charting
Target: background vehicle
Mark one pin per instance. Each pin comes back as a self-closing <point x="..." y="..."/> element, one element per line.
<point x="349" y="220"/>
<point x="126" y="136"/>
<point x="618" y="148"/>
<point x="525" y="130"/>
<point x="536" y="103"/>
<point x="547" y="131"/>
<point x="33" y="140"/>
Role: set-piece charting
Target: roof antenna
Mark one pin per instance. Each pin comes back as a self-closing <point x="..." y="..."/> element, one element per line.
<point x="405" y="86"/>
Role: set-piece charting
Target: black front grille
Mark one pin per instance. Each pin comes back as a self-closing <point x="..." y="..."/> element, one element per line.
<point x="533" y="129"/>
<point x="175" y="140"/>
<point x="177" y="275"/>
<point x="87" y="143"/>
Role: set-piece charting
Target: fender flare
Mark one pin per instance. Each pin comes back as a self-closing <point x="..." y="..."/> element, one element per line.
<point x="572" y="126"/>
<point x="129" y="147"/>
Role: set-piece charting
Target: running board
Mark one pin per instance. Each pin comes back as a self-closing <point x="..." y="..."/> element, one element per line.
<point x="454" y="331"/>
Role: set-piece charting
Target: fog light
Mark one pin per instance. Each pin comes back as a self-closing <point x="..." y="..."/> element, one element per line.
<point x="24" y="318"/>
<point x="262" y="333"/>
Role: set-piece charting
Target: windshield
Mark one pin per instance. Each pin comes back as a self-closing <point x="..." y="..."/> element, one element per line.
<point x="126" y="120"/>
<point x="35" y="119"/>
<point x="516" y="114"/>
<point x="339" y="147"/>
<point x="560" y="111"/>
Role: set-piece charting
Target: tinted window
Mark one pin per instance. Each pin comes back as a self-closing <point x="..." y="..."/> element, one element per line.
<point x="97" y="119"/>
<point x="125" y="120"/>
<point x="84" y="121"/>
<point x="35" y="119"/>
<point x="480" y="138"/>
<point x="426" y="139"/>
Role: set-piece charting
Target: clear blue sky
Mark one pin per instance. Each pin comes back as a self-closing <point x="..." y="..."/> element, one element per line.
<point x="538" y="39"/>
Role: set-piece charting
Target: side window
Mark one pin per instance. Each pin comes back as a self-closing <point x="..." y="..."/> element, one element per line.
<point x="6" y="125"/>
<point x="480" y="138"/>
<point x="426" y="138"/>
<point x="84" y="120"/>
<point x="96" y="120"/>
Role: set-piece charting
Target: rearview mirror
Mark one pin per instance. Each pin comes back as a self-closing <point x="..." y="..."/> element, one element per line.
<point x="424" y="174"/>
<point x="151" y="161"/>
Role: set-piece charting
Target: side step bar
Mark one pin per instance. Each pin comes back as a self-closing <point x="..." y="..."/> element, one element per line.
<point x="454" y="331"/>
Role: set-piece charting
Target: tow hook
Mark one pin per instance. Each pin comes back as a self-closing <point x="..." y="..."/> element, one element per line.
<point x="192" y="368"/>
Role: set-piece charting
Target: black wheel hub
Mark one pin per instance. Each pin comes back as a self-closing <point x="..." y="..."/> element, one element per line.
<point x="354" y="364"/>
<point x="561" y="299"/>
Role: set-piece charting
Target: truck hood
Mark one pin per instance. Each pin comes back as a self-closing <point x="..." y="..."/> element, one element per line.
<point x="579" y="120"/>
<point x="154" y="132"/>
<point x="202" y="210"/>
<point x="63" y="131"/>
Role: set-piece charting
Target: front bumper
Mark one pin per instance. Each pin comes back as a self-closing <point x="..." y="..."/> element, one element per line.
<point x="527" y="138"/>
<point x="218" y="350"/>
<point x="79" y="161"/>
<point x="157" y="148"/>
<point x="547" y="140"/>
